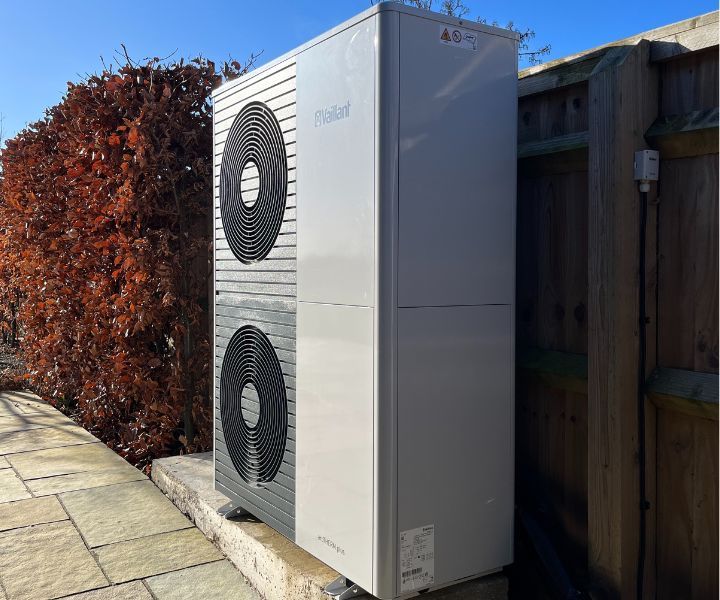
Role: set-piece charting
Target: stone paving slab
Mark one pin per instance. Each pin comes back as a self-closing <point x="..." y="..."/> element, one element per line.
<point x="46" y="561"/>
<point x="60" y="461"/>
<point x="34" y="421"/>
<point x="32" y="511"/>
<point x="26" y="397"/>
<point x="116" y="513"/>
<point x="84" y="480"/>
<point x="127" y="591"/>
<point x="212" y="581"/>
<point x="8" y="409"/>
<point x="12" y="487"/>
<point x="20" y="403"/>
<point x="42" y="439"/>
<point x="4" y="464"/>
<point x="155" y="554"/>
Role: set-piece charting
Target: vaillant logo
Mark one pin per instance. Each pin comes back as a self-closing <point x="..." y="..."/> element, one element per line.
<point x="336" y="112"/>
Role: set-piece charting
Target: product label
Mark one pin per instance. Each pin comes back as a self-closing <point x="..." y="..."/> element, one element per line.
<point x="417" y="558"/>
<point x="458" y="37"/>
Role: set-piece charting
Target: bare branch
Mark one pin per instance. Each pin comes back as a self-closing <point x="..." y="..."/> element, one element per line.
<point x="455" y="8"/>
<point x="458" y="9"/>
<point x="127" y="57"/>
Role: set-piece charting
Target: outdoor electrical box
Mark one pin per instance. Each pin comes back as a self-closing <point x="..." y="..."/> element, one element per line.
<point x="647" y="165"/>
<point x="365" y="193"/>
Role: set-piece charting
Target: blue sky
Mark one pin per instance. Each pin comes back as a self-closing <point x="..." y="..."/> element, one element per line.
<point x="45" y="43"/>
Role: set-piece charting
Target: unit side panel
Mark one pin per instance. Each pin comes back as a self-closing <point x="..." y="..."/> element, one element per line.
<point x="262" y="294"/>
<point x="457" y="167"/>
<point x="455" y="435"/>
<point x="335" y="128"/>
<point x="385" y="407"/>
<point x="335" y="437"/>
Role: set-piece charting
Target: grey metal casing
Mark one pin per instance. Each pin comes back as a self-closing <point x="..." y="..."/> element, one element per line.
<point x="400" y="278"/>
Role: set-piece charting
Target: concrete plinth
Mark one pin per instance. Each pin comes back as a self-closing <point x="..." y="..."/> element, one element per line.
<point x="274" y="566"/>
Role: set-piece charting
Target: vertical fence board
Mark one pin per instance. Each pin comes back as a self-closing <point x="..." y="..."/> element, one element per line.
<point x="704" y="574"/>
<point x="553" y="113"/>
<point x="675" y="479"/>
<point x="552" y="465"/>
<point x="687" y="507"/>
<point x="527" y="260"/>
<point x="651" y="515"/>
<point x="623" y="101"/>
<point x="688" y="274"/>
<point x="689" y="83"/>
<point x="575" y="481"/>
<point x="552" y="262"/>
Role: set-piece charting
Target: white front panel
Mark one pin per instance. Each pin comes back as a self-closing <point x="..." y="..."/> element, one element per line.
<point x="455" y="436"/>
<point x="334" y="463"/>
<point x="335" y="162"/>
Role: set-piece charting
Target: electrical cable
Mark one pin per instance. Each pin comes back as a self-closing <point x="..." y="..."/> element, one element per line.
<point x="642" y="359"/>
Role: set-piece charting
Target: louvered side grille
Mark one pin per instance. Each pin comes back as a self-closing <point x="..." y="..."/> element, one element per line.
<point x="255" y="290"/>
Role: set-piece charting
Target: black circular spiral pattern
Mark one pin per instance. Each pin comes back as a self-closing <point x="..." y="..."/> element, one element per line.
<point x="252" y="228"/>
<point x="256" y="450"/>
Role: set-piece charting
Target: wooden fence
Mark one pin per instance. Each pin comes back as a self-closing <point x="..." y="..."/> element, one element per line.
<point x="580" y="119"/>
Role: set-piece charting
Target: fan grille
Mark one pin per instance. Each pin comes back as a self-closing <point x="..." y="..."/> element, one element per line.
<point x="252" y="223"/>
<point x="256" y="450"/>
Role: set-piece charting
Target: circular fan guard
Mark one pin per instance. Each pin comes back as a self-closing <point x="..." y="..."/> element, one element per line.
<point x="251" y="228"/>
<point x="256" y="450"/>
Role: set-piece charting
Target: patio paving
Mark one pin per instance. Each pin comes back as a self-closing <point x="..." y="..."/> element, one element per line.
<point x="121" y="512"/>
<point x="41" y="464"/>
<point x="78" y="522"/>
<point x="32" y="511"/>
<point x="212" y="581"/>
<point x="12" y="487"/>
<point x="47" y="561"/>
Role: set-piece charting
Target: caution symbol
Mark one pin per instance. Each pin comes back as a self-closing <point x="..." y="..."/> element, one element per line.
<point x="445" y="37"/>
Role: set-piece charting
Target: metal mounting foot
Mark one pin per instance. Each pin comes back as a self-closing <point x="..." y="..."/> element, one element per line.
<point x="342" y="589"/>
<point x="231" y="510"/>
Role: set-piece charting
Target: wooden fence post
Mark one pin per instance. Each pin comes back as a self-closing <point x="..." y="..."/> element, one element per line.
<point x="623" y="102"/>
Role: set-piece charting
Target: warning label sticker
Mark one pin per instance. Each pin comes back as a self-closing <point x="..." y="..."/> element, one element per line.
<point x="458" y="37"/>
<point x="417" y="558"/>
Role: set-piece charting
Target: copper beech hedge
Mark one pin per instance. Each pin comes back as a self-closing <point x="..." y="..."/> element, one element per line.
<point x="105" y="209"/>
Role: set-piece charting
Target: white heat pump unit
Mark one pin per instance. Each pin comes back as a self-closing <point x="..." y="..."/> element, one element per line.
<point x="364" y="298"/>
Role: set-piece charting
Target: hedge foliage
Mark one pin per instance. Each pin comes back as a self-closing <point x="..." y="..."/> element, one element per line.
<point x="105" y="209"/>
